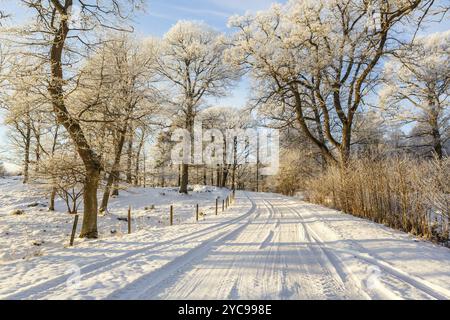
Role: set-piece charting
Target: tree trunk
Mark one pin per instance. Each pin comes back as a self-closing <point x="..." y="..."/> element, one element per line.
<point x="38" y="148"/>
<point x="437" y="144"/>
<point x="434" y="124"/>
<point x="138" y="155"/>
<point x="115" y="191"/>
<point x="233" y="173"/>
<point x="185" y="167"/>
<point x="54" y="190"/>
<point x="105" y="199"/>
<point x="184" y="178"/>
<point x="26" y="163"/>
<point x="218" y="176"/>
<point x="114" y="174"/>
<point x="225" y="171"/>
<point x="89" y="226"/>
<point x="144" y="176"/>
<point x="129" y="157"/>
<point x="51" y="206"/>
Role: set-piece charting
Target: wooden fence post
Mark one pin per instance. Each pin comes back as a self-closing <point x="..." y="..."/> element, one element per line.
<point x="196" y="212"/>
<point x="171" y="215"/>
<point x="74" y="230"/>
<point x="217" y="203"/>
<point x="129" y="219"/>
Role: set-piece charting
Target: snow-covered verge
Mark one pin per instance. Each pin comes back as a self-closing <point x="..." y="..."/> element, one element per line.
<point x="37" y="231"/>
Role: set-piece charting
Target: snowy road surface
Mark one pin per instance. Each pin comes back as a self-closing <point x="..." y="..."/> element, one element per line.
<point x="265" y="246"/>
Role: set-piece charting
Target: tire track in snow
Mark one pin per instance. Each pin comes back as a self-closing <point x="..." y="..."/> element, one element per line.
<point x="222" y="271"/>
<point x="346" y="275"/>
<point x="148" y="285"/>
<point x="58" y="284"/>
<point x="191" y="279"/>
<point x="242" y="282"/>
<point x="429" y="289"/>
<point x="264" y="282"/>
<point x="327" y="281"/>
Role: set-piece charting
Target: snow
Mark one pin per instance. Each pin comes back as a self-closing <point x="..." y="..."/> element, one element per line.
<point x="11" y="168"/>
<point x="150" y="207"/>
<point x="265" y="246"/>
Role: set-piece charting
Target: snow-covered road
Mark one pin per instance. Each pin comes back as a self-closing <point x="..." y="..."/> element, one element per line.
<point x="265" y="247"/>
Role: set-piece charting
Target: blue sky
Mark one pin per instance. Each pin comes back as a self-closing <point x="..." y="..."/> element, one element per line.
<point x="160" y="15"/>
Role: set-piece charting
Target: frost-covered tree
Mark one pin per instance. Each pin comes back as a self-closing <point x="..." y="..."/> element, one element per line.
<point x="192" y="63"/>
<point x="162" y="162"/>
<point x="418" y="90"/>
<point x="227" y="119"/>
<point x="59" y="37"/>
<point x="117" y="90"/>
<point x="315" y="62"/>
<point x="369" y="134"/>
<point x="25" y="102"/>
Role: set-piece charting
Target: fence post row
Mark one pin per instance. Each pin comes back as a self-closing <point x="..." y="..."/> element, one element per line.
<point x="225" y="203"/>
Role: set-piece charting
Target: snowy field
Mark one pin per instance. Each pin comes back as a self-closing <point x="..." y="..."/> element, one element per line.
<point x="37" y="231"/>
<point x="265" y="246"/>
